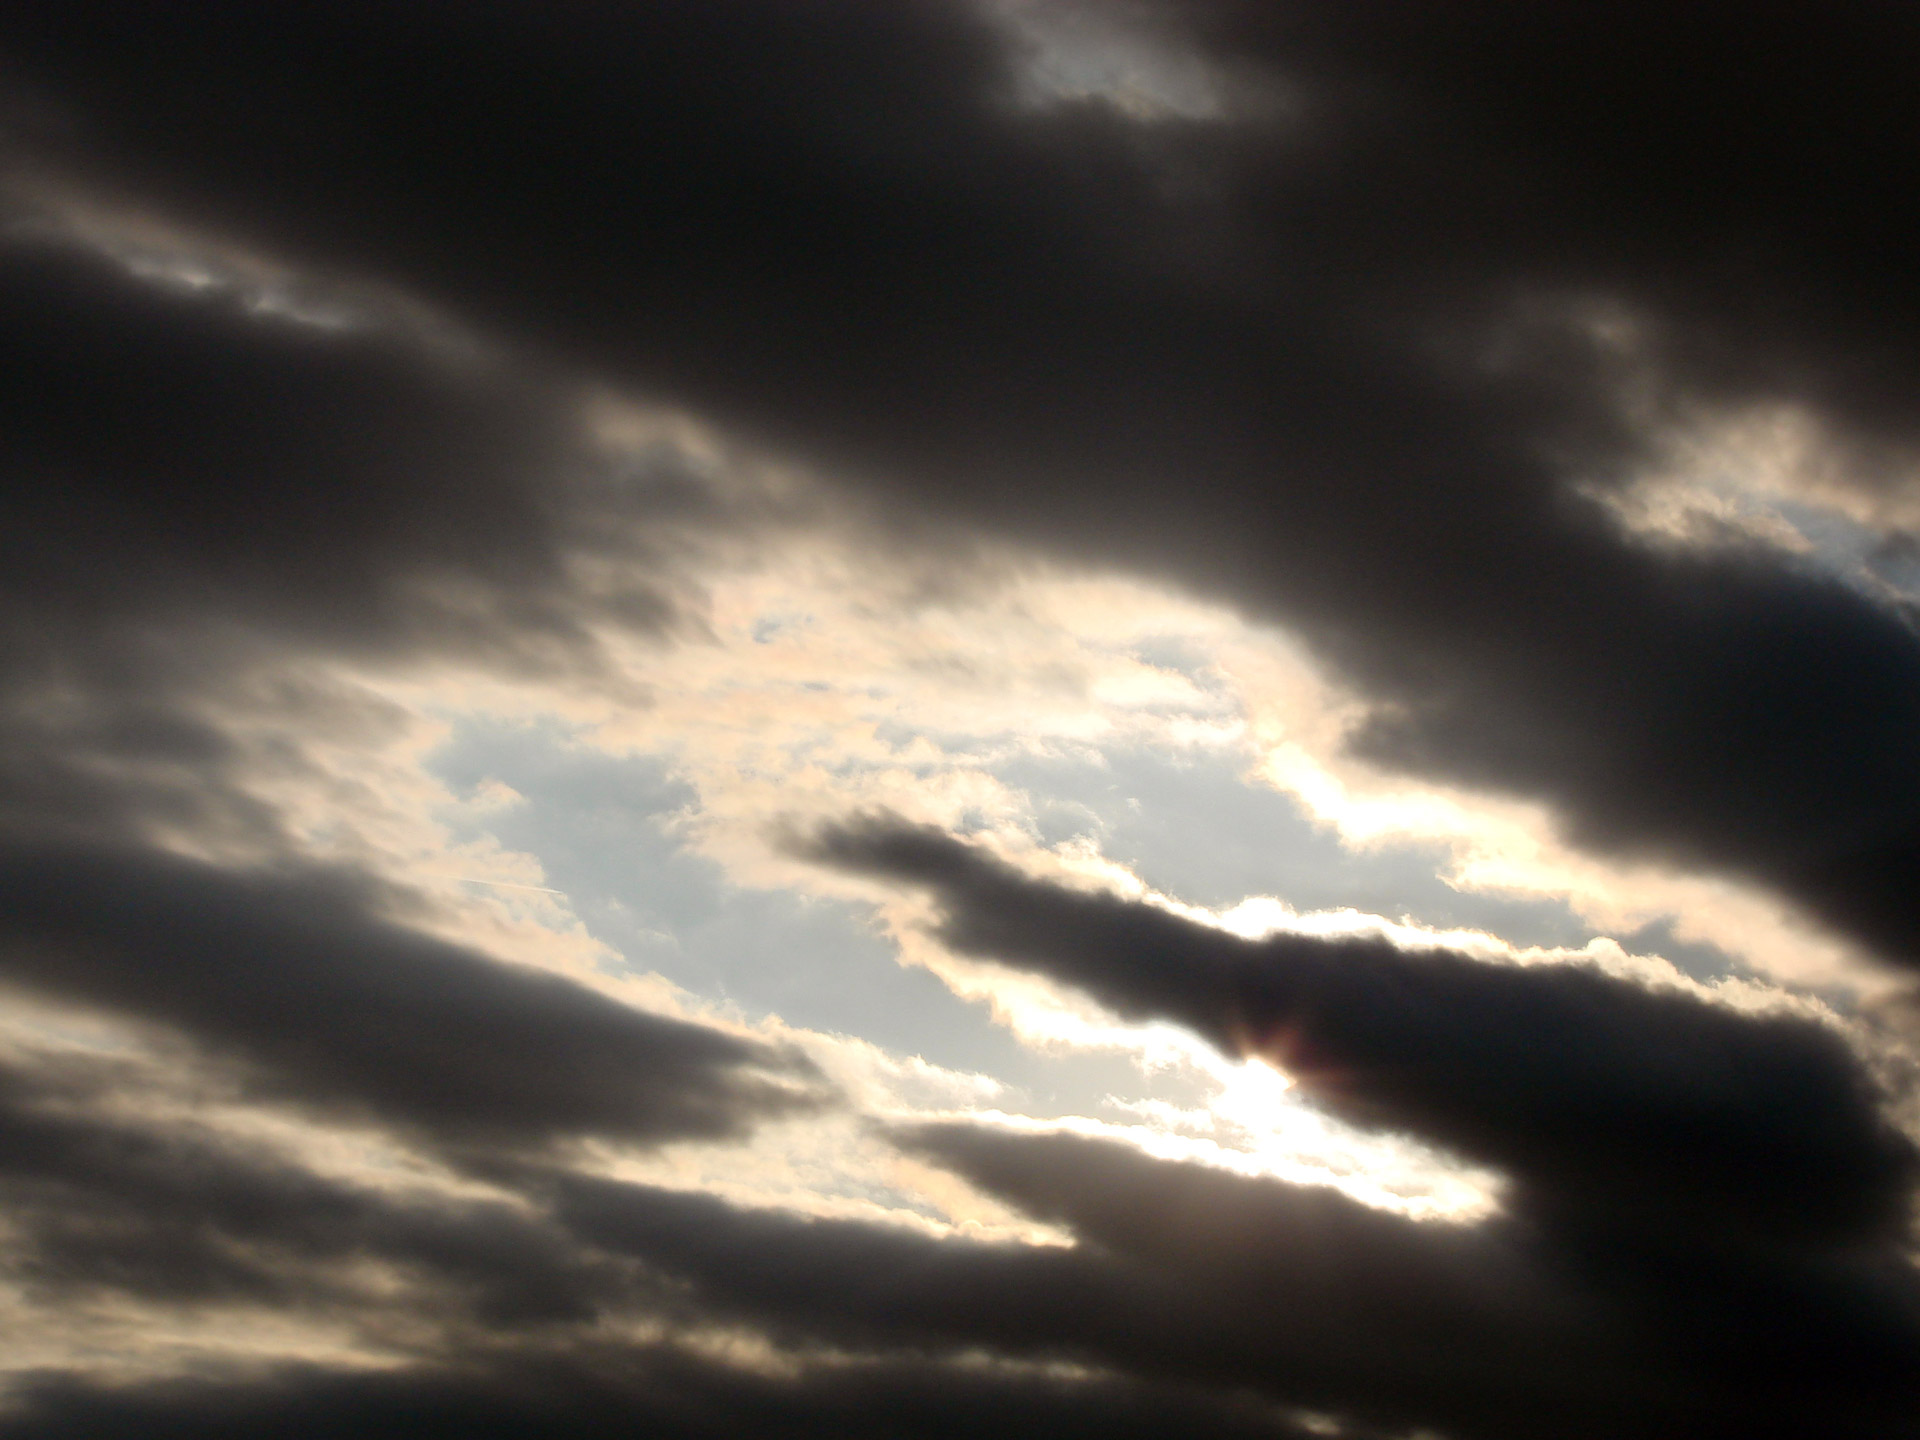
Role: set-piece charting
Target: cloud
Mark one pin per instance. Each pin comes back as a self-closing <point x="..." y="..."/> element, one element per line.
<point x="174" y="460"/>
<point x="1191" y="1299"/>
<point x="1323" y="1312"/>
<point x="1297" y="1292"/>
<point x="503" y="1303"/>
<point x="102" y="1199"/>
<point x="665" y="1390"/>
<point x="205" y="508"/>
<point x="1341" y="369"/>
<point x="1591" y="1091"/>
<point x="1497" y="1328"/>
<point x="526" y="1303"/>
<point x="302" y="979"/>
<point x="1343" y="361"/>
<point x="1367" y="321"/>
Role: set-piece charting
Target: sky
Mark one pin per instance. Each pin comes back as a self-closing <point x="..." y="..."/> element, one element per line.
<point x="911" y="718"/>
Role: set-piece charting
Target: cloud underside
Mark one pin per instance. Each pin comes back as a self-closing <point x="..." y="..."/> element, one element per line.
<point x="1596" y="1093"/>
<point x="1351" y="350"/>
<point x="1338" y="361"/>
<point x="1195" y="1301"/>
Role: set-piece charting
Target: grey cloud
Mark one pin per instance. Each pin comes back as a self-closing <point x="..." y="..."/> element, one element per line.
<point x="1335" y="1307"/>
<point x="198" y="505"/>
<point x="298" y="976"/>
<point x="659" y="1390"/>
<point x="1181" y="1272"/>
<point x="176" y="465"/>
<point x="490" y="1312"/>
<point x="1202" y="1302"/>
<point x="1507" y="1326"/>
<point x="1591" y="1091"/>
<point x="203" y="507"/>
<point x="1329" y="359"/>
<point x="101" y="1200"/>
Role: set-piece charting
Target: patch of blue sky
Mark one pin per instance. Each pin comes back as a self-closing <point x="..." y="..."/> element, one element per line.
<point x="1868" y="558"/>
<point x="1193" y="826"/>
<point x="603" y="828"/>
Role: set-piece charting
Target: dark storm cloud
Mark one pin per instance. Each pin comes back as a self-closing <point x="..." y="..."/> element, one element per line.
<point x="499" y="1300"/>
<point x="1502" y="1328"/>
<point x="208" y="497"/>
<point x="1201" y="1301"/>
<point x="100" y="1200"/>
<point x="298" y="975"/>
<point x="1592" y="1091"/>
<point x="1325" y="356"/>
<point x="1507" y="1327"/>
<point x="200" y="500"/>
<point x="176" y="462"/>
<point x="1331" y="355"/>
<point x="1313" y="1299"/>
<point x="649" y="1389"/>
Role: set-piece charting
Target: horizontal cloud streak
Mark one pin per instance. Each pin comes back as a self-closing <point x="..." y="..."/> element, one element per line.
<point x="1590" y="1089"/>
<point x="661" y="1390"/>
<point x="174" y="458"/>
<point x="299" y="976"/>
<point x="171" y="1213"/>
<point x="1305" y="1295"/>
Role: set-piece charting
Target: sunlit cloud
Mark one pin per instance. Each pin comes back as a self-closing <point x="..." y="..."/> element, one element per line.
<point x="1001" y="715"/>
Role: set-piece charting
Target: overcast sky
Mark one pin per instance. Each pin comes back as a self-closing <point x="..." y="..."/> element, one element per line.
<point x="919" y="718"/>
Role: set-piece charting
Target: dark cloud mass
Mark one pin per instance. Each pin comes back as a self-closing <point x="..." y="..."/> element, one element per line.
<point x="302" y="309"/>
<point x="165" y="1213"/>
<point x="1337" y="358"/>
<point x="657" y="1391"/>
<point x="1596" y="1090"/>
<point x="196" y="493"/>
<point x="1178" y="1274"/>
<point x="177" y="460"/>
<point x="1724" y="1183"/>
<point x="106" y="1202"/>
<point x="301" y="974"/>
<point x="1505" y="1328"/>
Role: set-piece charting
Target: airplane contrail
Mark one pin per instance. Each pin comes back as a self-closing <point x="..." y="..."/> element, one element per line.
<point x="505" y="884"/>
